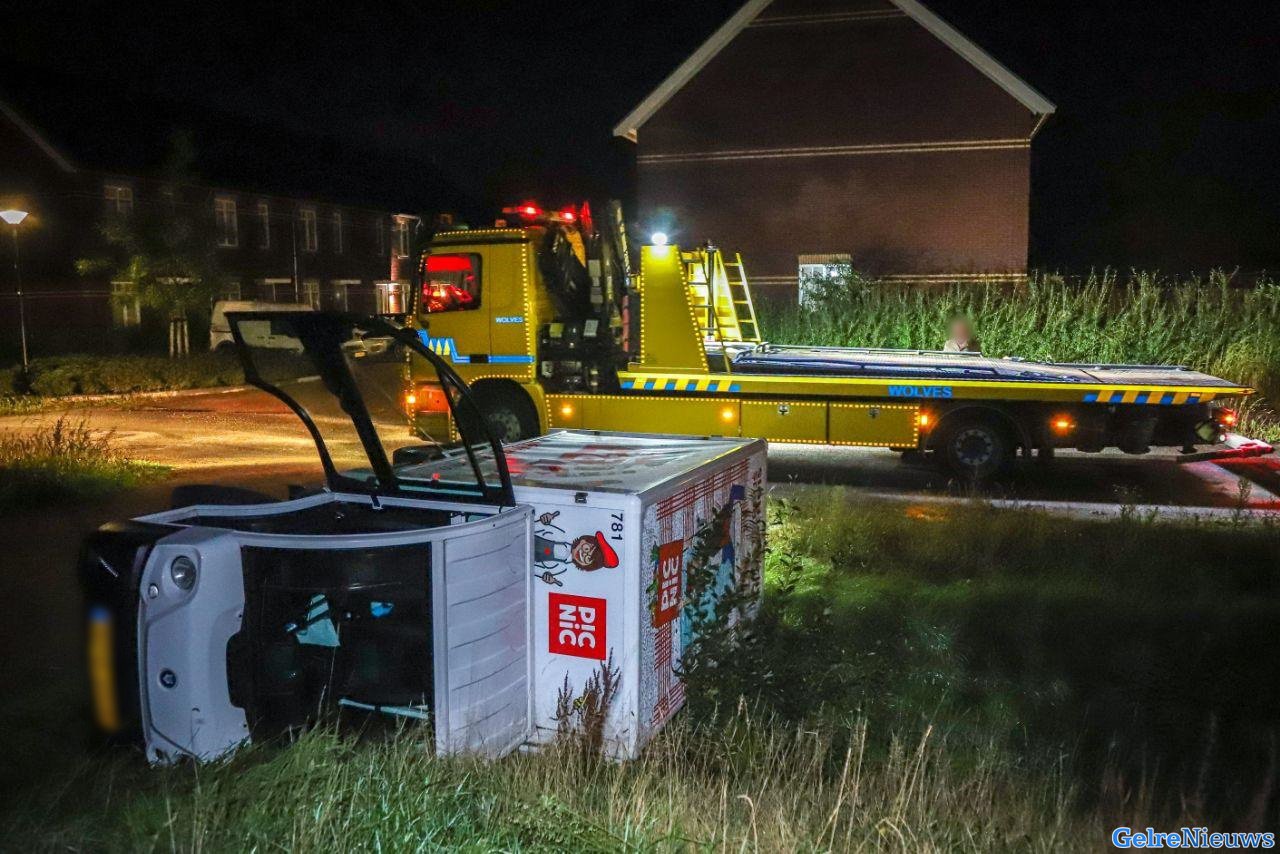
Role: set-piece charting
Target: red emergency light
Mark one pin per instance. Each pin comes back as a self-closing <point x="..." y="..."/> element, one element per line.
<point x="448" y="263"/>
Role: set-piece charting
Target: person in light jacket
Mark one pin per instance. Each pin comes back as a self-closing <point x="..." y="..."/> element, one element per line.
<point x="962" y="339"/>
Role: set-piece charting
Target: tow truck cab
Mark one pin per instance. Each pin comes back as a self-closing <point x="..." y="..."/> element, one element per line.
<point x="542" y="318"/>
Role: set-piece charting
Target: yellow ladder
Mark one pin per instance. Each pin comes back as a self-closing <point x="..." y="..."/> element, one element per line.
<point x="740" y="298"/>
<point x="721" y="301"/>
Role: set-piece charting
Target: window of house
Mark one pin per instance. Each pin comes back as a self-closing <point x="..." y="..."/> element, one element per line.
<point x="338" y="244"/>
<point x="119" y="198"/>
<point x="264" y="225"/>
<point x="224" y="216"/>
<point x="311" y="293"/>
<point x="391" y="297"/>
<point x="126" y="309"/>
<point x="310" y="236"/>
<point x="402" y="238"/>
<point x="817" y="272"/>
<point x="230" y="291"/>
<point x="340" y="294"/>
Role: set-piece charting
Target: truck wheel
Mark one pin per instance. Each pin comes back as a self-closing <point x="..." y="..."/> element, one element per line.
<point x="976" y="448"/>
<point x="508" y="413"/>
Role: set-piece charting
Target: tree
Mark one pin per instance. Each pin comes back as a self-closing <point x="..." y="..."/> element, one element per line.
<point x="166" y="248"/>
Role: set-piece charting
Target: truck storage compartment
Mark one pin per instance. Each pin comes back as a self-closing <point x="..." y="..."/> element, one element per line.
<point x="624" y="527"/>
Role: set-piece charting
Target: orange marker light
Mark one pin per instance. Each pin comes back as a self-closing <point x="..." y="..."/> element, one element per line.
<point x="923" y="419"/>
<point x="1228" y="418"/>
<point x="1062" y="425"/>
<point x="727" y="413"/>
<point x="410" y="399"/>
<point x="566" y="410"/>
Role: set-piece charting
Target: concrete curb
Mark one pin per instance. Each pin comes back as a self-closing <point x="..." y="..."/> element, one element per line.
<point x="73" y="399"/>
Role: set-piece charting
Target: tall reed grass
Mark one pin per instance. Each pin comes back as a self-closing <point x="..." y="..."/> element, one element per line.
<point x="1209" y="323"/>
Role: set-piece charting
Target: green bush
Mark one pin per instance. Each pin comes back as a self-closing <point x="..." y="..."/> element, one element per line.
<point x="11" y="381"/>
<point x="62" y="375"/>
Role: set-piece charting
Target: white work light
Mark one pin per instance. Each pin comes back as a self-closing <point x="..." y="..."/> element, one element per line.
<point x="658" y="238"/>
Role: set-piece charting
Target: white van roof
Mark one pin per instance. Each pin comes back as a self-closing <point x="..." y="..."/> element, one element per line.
<point x="225" y="305"/>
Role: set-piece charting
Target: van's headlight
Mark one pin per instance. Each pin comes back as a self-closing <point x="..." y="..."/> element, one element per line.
<point x="183" y="572"/>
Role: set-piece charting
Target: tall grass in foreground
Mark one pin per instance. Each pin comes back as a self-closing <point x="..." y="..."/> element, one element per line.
<point x="64" y="460"/>
<point x="921" y="678"/>
<point x="1145" y="318"/>
<point x="738" y="783"/>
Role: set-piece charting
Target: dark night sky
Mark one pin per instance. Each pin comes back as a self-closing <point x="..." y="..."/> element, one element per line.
<point x="1164" y="150"/>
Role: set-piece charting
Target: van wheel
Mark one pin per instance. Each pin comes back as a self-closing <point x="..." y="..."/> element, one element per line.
<point x="976" y="448"/>
<point x="508" y="412"/>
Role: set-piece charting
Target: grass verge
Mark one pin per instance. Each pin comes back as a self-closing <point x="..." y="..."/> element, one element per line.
<point x="921" y="678"/>
<point x="65" y="461"/>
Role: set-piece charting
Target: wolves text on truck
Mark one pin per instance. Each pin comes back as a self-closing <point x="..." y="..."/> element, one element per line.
<point x="545" y="322"/>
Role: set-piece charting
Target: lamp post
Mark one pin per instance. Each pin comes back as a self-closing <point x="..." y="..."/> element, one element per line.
<point x="15" y="218"/>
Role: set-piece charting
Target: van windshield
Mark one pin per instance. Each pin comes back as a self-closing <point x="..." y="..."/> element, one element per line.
<point x="344" y="376"/>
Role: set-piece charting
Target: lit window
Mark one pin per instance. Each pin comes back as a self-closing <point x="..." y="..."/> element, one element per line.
<point x="338" y="244"/>
<point x="224" y="215"/>
<point x="310" y="237"/>
<point x="340" y="295"/>
<point x="264" y="225"/>
<point x="817" y="272"/>
<point x="402" y="238"/>
<point x="127" y="307"/>
<point x="390" y="296"/>
<point x="311" y="293"/>
<point x="119" y="198"/>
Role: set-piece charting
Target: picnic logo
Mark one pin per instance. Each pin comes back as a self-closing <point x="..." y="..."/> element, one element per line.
<point x="576" y="625"/>
<point x="668" y="582"/>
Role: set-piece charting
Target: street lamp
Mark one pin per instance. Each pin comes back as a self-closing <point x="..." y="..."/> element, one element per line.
<point x="15" y="218"/>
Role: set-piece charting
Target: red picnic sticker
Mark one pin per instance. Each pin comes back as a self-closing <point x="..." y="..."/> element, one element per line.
<point x="576" y="625"/>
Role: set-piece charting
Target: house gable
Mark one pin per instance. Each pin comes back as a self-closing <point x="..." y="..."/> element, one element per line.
<point x="846" y="56"/>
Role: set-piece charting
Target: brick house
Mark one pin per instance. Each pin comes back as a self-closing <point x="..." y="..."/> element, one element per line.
<point x="292" y="246"/>
<point x="807" y="132"/>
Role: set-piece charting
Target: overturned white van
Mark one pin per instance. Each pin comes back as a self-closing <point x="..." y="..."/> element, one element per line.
<point x="415" y="585"/>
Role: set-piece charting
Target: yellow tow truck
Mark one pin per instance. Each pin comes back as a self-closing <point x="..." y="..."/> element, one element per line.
<point x="544" y="319"/>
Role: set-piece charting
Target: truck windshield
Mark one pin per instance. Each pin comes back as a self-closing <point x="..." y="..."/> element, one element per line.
<point x="344" y="376"/>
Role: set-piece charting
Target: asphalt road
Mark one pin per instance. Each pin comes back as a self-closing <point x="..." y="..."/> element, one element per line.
<point x="213" y="435"/>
